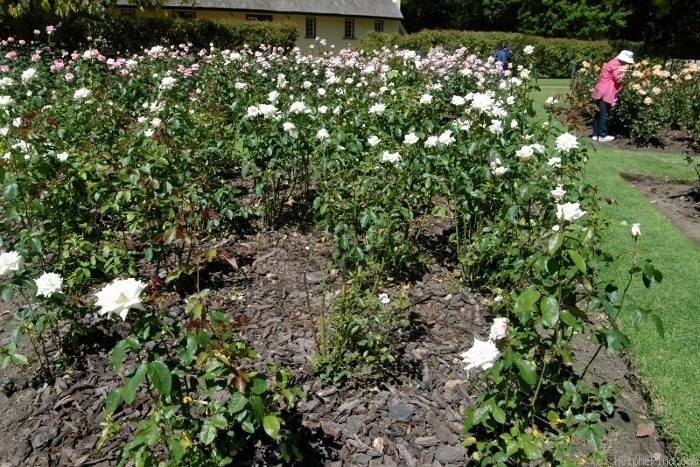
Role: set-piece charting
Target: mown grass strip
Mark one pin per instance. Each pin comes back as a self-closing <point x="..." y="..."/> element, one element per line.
<point x="669" y="367"/>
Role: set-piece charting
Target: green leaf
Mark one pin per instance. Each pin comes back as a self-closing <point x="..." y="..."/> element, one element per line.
<point x="527" y="371"/>
<point x="531" y="450"/>
<point x="555" y="242"/>
<point x="258" y="406"/>
<point x="117" y="357"/>
<point x="258" y="385"/>
<point x="19" y="359"/>
<point x="146" y="432"/>
<point x="651" y="275"/>
<point x="615" y="340"/>
<point x="237" y="403"/>
<point x="10" y="191"/>
<point x="526" y="301"/>
<point x="160" y="377"/>
<point x="659" y="325"/>
<point x="176" y="450"/>
<point x="7" y="290"/>
<point x="550" y="311"/>
<point x="480" y="414"/>
<point x="112" y="400"/>
<point x="248" y="426"/>
<point x="578" y="260"/>
<point x="498" y="414"/>
<point x="208" y="433"/>
<point x="271" y="425"/>
<point x="132" y="384"/>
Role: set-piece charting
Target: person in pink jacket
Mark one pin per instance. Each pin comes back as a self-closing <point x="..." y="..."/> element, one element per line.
<point x="606" y="91"/>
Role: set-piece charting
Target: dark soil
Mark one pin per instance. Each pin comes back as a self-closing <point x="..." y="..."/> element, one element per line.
<point x="410" y="416"/>
<point x="678" y="201"/>
<point x="669" y="141"/>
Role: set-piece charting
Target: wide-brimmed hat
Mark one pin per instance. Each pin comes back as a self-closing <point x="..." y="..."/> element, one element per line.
<point x="626" y="56"/>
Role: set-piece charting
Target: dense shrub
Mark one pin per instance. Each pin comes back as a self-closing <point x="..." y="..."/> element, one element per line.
<point x="123" y="33"/>
<point x="555" y="58"/>
<point x="656" y="97"/>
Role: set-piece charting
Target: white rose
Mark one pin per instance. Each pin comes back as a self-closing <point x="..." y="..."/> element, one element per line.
<point x="499" y="329"/>
<point x="569" y="211"/>
<point x="482" y="354"/>
<point x="9" y="262"/>
<point x="48" y="284"/>
<point x="636" y="230"/>
<point x="410" y="139"/>
<point x="391" y="157"/>
<point x="119" y="297"/>
<point x="566" y="142"/>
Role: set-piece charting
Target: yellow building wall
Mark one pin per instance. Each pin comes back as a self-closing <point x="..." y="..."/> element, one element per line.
<point x="330" y="28"/>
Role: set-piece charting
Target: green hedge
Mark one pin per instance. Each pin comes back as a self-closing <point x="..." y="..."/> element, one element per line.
<point x="131" y="34"/>
<point x="554" y="58"/>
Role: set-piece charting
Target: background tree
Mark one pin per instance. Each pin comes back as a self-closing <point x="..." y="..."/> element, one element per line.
<point x="669" y="27"/>
<point x="583" y="19"/>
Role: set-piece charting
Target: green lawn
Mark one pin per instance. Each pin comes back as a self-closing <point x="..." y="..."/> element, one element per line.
<point x="548" y="87"/>
<point x="669" y="367"/>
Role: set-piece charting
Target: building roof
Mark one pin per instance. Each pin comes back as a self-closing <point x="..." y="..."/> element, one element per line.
<point x="368" y="8"/>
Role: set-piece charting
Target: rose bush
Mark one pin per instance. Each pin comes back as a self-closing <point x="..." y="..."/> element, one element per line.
<point x="112" y="165"/>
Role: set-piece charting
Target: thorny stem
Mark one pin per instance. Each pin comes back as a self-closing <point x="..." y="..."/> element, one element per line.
<point x="612" y="323"/>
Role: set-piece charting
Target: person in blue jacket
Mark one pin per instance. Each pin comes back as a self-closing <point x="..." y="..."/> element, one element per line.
<point x="503" y="54"/>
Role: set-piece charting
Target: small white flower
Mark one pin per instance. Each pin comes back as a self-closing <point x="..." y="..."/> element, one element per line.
<point x="384" y="298"/>
<point x="272" y="96"/>
<point x="525" y="153"/>
<point x="426" y="99"/>
<point x="499" y="329"/>
<point x="6" y="101"/>
<point x="323" y="134"/>
<point x="551" y="100"/>
<point x="566" y="142"/>
<point x="81" y="94"/>
<point x="496" y="127"/>
<point x="48" y="284"/>
<point x="410" y="139"/>
<point x="267" y="110"/>
<point x="528" y="50"/>
<point x="500" y="170"/>
<point x="377" y="109"/>
<point x="10" y="261"/>
<point x="167" y="82"/>
<point x="28" y="75"/>
<point x="148" y="133"/>
<point x="431" y="142"/>
<point x="458" y="100"/>
<point x="240" y="86"/>
<point x="323" y="109"/>
<point x="298" y="107"/>
<point x="62" y="156"/>
<point x="569" y="211"/>
<point x="636" y="230"/>
<point x="446" y="138"/>
<point x="482" y="101"/>
<point x="156" y="122"/>
<point x="391" y="157"/>
<point x="558" y="193"/>
<point x="373" y="140"/>
<point x="482" y="354"/>
<point x="120" y="296"/>
<point x="554" y="162"/>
